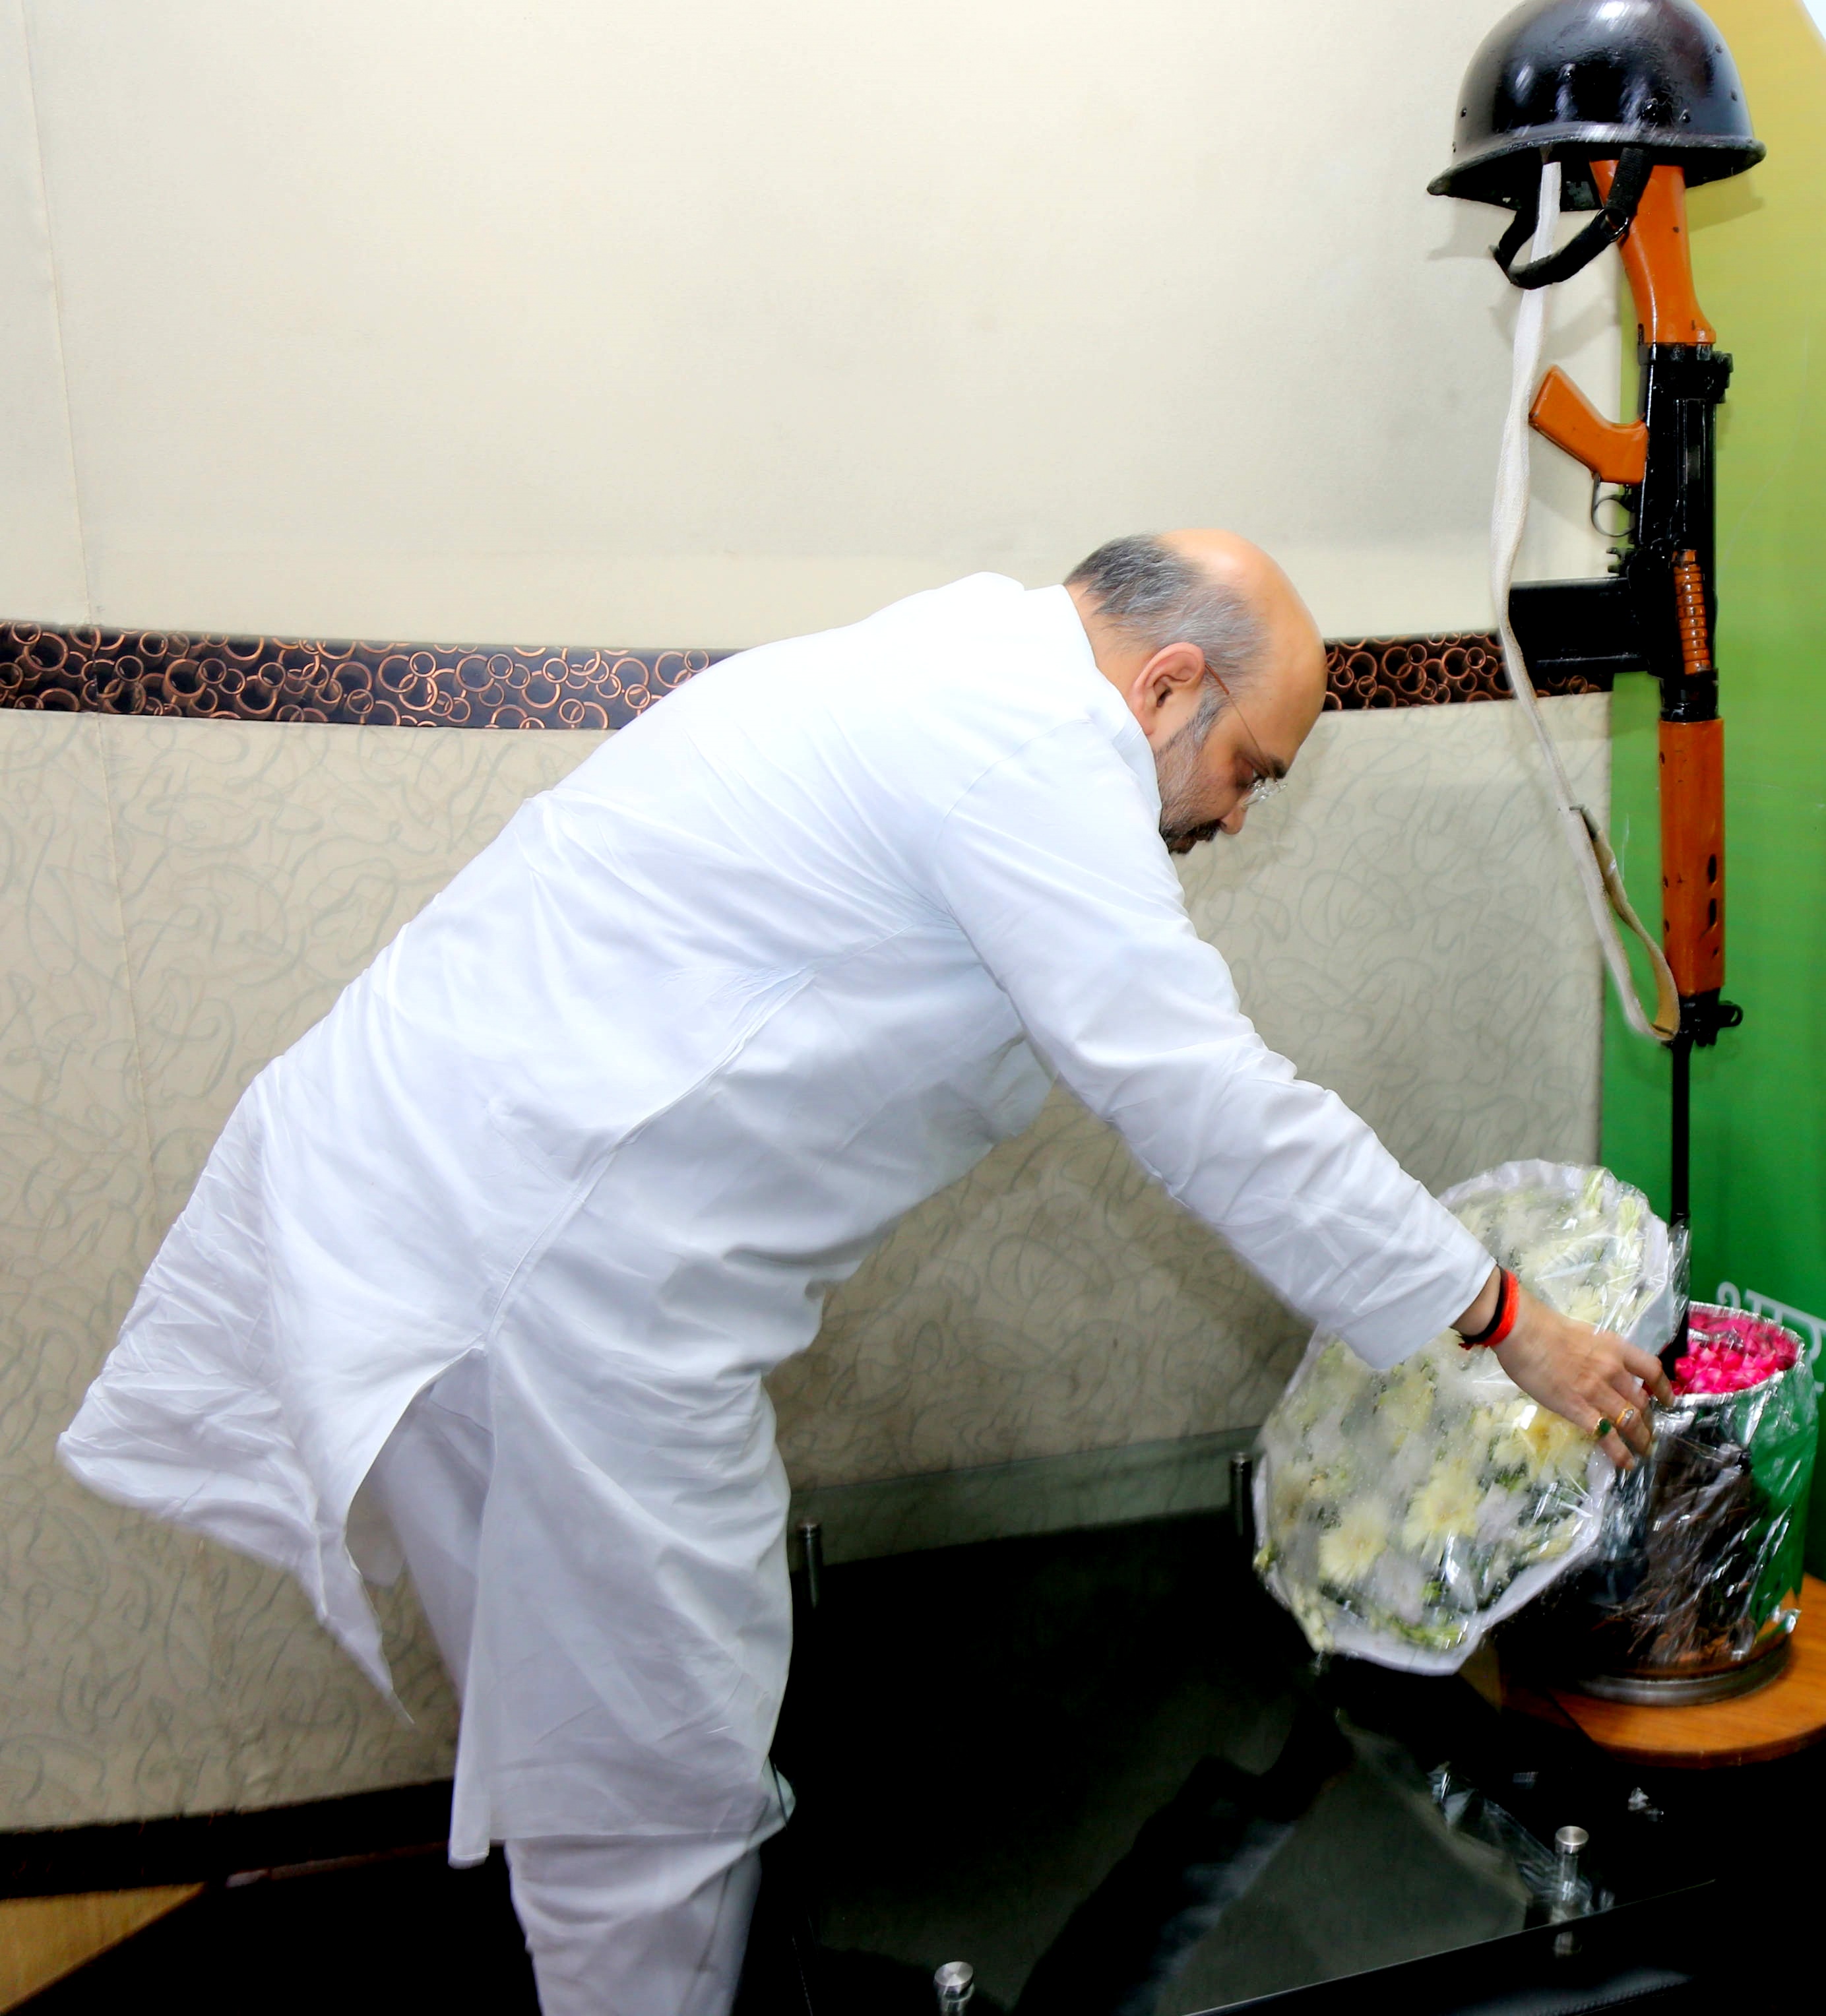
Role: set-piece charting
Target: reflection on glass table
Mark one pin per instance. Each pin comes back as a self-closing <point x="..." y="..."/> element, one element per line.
<point x="1101" y="1771"/>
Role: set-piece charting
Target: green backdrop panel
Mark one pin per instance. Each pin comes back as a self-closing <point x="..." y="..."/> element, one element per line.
<point x="1758" y="1144"/>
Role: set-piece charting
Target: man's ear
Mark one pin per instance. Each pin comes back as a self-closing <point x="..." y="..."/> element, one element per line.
<point x="1158" y="691"/>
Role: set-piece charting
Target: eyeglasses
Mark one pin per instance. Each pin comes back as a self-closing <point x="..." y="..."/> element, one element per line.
<point x="1268" y="780"/>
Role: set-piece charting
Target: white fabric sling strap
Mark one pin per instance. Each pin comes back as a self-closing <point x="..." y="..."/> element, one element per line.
<point x="1597" y="866"/>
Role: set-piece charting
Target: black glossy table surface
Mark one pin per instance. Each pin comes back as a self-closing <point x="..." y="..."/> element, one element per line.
<point x="1103" y="1769"/>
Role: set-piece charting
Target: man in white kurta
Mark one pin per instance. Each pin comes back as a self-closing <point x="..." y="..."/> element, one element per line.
<point x="572" y="1164"/>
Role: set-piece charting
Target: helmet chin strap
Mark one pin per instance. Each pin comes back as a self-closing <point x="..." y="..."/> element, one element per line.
<point x="1592" y="858"/>
<point x="1611" y="226"/>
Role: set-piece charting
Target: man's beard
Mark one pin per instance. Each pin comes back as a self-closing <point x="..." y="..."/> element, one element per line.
<point x="1176" y="768"/>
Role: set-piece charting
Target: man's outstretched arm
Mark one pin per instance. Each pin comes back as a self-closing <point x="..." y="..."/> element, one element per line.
<point x="1052" y="866"/>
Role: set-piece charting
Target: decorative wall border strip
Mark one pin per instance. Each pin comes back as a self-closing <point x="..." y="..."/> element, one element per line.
<point x="1430" y="672"/>
<point x="85" y="669"/>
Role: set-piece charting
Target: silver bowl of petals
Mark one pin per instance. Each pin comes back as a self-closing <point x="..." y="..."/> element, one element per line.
<point x="1694" y="1587"/>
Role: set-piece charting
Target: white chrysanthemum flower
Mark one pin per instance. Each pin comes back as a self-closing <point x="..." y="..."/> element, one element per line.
<point x="1554" y="1445"/>
<point x="1288" y="1492"/>
<point x="1446" y="1507"/>
<point x="1406" y="1400"/>
<point x="1353" y="1547"/>
<point x="1336" y="1375"/>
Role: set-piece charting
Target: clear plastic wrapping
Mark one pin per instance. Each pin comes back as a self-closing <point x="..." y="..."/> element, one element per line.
<point x="1403" y="1512"/>
<point x="1697" y="1567"/>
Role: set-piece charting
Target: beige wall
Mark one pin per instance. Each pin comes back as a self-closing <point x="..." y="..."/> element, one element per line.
<point x="186" y="897"/>
<point x="700" y="324"/>
<point x="707" y="322"/>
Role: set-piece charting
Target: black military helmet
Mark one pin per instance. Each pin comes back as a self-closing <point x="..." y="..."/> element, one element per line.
<point x="1579" y="81"/>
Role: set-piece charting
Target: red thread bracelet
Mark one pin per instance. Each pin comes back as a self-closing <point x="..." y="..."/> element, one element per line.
<point x="1508" y="1302"/>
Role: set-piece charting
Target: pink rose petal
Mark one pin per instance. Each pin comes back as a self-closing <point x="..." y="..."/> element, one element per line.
<point x="1731" y="1353"/>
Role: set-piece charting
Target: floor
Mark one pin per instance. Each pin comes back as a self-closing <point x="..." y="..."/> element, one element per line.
<point x="382" y="1935"/>
<point x="43" y="1938"/>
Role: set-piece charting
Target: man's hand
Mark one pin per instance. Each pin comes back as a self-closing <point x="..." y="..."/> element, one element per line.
<point x="1587" y="1375"/>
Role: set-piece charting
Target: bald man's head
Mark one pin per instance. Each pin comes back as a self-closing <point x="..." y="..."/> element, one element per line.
<point x="1191" y="626"/>
<point x="1210" y="587"/>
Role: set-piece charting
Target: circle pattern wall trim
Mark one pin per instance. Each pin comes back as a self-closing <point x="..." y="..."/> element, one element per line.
<point x="86" y="669"/>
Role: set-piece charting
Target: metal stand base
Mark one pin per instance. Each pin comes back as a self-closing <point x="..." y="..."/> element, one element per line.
<point x="1688" y="1689"/>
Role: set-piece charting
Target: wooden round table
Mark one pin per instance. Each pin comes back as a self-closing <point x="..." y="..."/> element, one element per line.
<point x="1787" y="1715"/>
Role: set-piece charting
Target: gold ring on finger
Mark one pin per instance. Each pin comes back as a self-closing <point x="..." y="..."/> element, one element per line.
<point x="1605" y="1425"/>
<point x="1627" y="1416"/>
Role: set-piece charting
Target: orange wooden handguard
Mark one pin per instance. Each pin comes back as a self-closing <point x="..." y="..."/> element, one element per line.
<point x="1614" y="451"/>
<point x="1656" y="258"/>
<point x="1692" y="852"/>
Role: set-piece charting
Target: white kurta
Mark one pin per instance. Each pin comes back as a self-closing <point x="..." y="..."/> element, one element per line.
<point x="661" y="1064"/>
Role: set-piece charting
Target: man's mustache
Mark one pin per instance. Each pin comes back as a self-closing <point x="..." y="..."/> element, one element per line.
<point x="1182" y="839"/>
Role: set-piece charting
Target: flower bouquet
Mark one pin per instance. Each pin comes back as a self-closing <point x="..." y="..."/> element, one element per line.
<point x="1402" y="1513"/>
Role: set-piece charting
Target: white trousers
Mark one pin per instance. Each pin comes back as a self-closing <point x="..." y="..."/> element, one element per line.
<point x="655" y="1926"/>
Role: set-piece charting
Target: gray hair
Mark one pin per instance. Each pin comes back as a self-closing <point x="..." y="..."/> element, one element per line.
<point x="1157" y="597"/>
